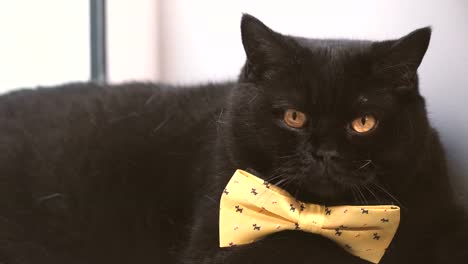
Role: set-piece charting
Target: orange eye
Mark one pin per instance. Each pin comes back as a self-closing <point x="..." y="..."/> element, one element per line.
<point x="364" y="124"/>
<point x="294" y="118"/>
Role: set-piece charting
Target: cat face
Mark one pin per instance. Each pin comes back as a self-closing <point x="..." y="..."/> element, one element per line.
<point x="327" y="119"/>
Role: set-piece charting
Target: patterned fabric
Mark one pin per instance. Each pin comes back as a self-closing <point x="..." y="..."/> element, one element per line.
<point x="252" y="209"/>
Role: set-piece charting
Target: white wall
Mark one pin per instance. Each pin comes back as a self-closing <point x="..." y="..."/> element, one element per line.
<point x="47" y="42"/>
<point x="43" y="42"/>
<point x="132" y="40"/>
<point x="201" y="41"/>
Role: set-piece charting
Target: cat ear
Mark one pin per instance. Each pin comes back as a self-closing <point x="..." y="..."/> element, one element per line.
<point x="411" y="48"/>
<point x="402" y="57"/>
<point x="263" y="46"/>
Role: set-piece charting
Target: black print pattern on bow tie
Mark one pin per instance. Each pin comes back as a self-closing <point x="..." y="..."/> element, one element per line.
<point x="376" y="236"/>
<point x="256" y="227"/>
<point x="292" y="208"/>
<point x="384" y="220"/>
<point x="364" y="211"/>
<point x="296" y="226"/>
<point x="348" y="246"/>
<point x="302" y="207"/>
<point x="267" y="184"/>
<point x="327" y="211"/>
<point x="239" y="209"/>
<point x="254" y="191"/>
<point x="338" y="232"/>
<point x="226" y="191"/>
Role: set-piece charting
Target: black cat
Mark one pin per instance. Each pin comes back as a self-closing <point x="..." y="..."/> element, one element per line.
<point x="133" y="173"/>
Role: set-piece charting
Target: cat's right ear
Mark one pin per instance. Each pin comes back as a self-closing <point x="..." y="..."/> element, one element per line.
<point x="263" y="46"/>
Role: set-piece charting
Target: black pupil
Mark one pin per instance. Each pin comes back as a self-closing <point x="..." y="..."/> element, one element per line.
<point x="363" y="120"/>
<point x="294" y="115"/>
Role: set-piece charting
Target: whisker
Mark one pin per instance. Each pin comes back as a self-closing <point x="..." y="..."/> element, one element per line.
<point x="366" y="164"/>
<point x="289" y="156"/>
<point x="288" y="182"/>
<point x="355" y="196"/>
<point x="388" y="193"/>
<point x="282" y="181"/>
<point x="274" y="177"/>
<point x="362" y="195"/>
<point x="373" y="194"/>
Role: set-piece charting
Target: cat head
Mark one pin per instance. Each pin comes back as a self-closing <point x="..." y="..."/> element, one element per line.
<point x="326" y="119"/>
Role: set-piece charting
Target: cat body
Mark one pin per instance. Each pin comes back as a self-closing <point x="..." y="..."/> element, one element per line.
<point x="94" y="174"/>
<point x="133" y="173"/>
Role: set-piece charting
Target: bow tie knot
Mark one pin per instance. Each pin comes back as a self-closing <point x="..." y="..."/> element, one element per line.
<point x="252" y="209"/>
<point x="311" y="218"/>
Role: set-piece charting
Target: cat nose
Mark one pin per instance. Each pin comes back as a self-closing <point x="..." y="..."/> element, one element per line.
<point x="326" y="155"/>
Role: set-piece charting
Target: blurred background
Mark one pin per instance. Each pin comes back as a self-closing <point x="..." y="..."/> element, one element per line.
<point x="50" y="42"/>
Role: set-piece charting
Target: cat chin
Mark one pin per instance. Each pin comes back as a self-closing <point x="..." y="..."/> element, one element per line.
<point x="329" y="192"/>
<point x="331" y="195"/>
<point x="323" y="192"/>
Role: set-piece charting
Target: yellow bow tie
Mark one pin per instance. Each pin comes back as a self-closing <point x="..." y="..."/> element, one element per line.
<point x="252" y="209"/>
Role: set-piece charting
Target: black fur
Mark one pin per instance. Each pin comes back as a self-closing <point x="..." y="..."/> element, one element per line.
<point x="133" y="173"/>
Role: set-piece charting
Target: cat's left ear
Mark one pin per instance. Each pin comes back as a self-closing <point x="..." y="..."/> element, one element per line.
<point x="401" y="58"/>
